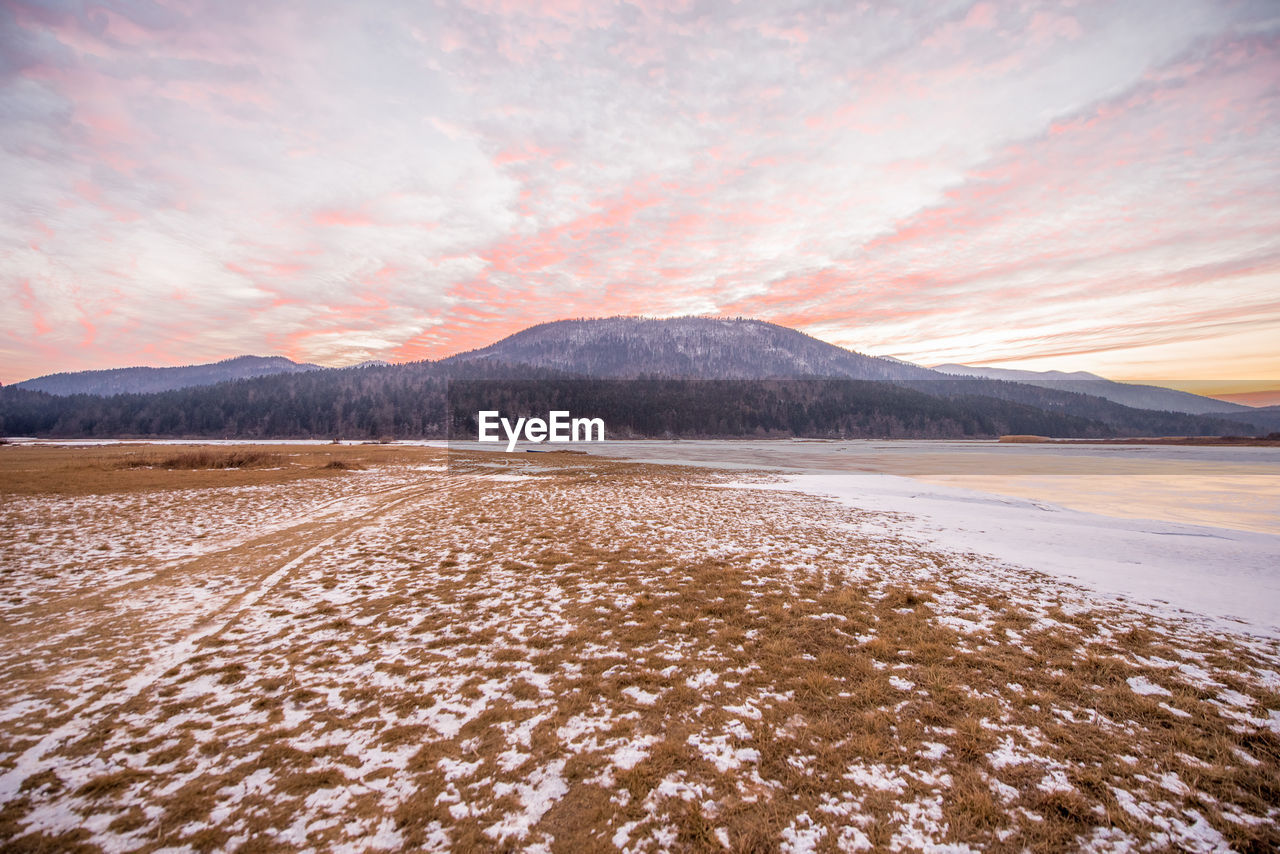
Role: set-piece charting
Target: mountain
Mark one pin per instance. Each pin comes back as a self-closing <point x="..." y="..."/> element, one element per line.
<point x="677" y="377"/>
<point x="701" y="348"/>
<point x="151" y="380"/>
<point x="685" y="348"/>
<point x="1082" y="382"/>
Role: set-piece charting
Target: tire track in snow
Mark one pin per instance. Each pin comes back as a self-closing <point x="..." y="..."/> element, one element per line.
<point x="29" y="762"/>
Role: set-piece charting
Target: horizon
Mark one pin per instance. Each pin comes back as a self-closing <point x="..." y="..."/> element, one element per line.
<point x="1040" y="188"/>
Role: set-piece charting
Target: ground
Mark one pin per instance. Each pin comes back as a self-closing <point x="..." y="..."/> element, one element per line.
<point x="412" y="649"/>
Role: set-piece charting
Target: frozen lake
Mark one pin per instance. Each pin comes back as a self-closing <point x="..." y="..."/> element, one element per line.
<point x="1193" y="530"/>
<point x="1227" y="487"/>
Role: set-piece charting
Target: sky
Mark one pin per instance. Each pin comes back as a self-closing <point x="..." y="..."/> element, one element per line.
<point x="1070" y="185"/>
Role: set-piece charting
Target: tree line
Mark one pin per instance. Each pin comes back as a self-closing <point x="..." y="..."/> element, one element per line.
<point x="437" y="400"/>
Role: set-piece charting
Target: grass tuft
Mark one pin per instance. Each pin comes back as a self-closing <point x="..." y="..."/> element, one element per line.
<point x="207" y="459"/>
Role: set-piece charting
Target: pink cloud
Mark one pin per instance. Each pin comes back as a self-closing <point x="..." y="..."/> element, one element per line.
<point x="490" y="164"/>
<point x="1047" y="27"/>
<point x="348" y="219"/>
<point x="981" y="16"/>
<point x="31" y="304"/>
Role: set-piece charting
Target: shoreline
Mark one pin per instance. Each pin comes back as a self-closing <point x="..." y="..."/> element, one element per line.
<point x="1219" y="576"/>
<point x="1012" y="439"/>
<point x="1193" y="441"/>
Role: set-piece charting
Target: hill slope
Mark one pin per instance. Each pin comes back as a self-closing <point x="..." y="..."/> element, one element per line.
<point x="1082" y="382"/>
<point x="1264" y="419"/>
<point x="143" y="380"/>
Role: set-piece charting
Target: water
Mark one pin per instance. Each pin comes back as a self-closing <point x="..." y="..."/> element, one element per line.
<point x="1217" y="486"/>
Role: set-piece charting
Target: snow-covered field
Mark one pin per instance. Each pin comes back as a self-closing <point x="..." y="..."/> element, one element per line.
<point x="556" y="652"/>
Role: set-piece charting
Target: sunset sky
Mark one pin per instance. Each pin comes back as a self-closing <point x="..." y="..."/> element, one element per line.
<point x="1071" y="185"/>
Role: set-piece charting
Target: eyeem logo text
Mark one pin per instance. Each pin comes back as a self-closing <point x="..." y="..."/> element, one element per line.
<point x="556" y="427"/>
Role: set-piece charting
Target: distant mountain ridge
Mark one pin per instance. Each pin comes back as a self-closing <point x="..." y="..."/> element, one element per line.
<point x="682" y="347"/>
<point x="1265" y="419"/>
<point x="1083" y="382"/>
<point x="142" y="380"/>
<point x="691" y="376"/>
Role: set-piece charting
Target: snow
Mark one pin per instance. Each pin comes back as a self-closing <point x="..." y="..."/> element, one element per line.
<point x="1229" y="577"/>
<point x="632" y="754"/>
<point x="1190" y="833"/>
<point x="717" y="750"/>
<point x="803" y="836"/>
<point x="539" y="794"/>
<point x="877" y="777"/>
<point x="1144" y="686"/>
<point x="1235" y="698"/>
<point x="933" y="751"/>
<point x="641" y="696"/>
<point x="701" y="680"/>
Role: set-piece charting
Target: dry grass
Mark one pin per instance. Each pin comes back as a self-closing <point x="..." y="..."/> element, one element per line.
<point x="209" y="459"/>
<point x="605" y="654"/>
<point x="133" y="468"/>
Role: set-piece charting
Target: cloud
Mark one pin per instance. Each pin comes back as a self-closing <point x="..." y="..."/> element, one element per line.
<point x="336" y="182"/>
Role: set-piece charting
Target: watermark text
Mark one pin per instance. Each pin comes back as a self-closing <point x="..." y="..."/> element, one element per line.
<point x="557" y="427"/>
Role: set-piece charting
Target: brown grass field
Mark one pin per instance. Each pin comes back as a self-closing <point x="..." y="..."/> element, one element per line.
<point x="385" y="647"/>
